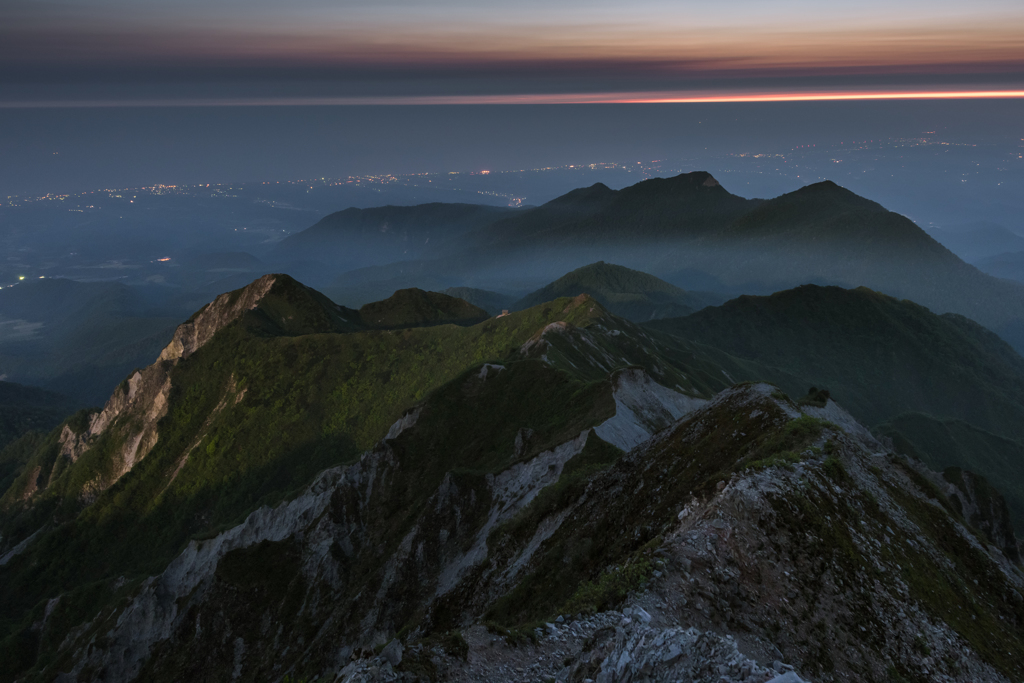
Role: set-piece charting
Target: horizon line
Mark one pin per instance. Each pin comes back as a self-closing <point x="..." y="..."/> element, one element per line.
<point x="657" y="97"/>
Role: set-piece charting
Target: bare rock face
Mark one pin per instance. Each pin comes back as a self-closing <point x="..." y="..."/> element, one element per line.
<point x="224" y="309"/>
<point x="984" y="508"/>
<point x="642" y="408"/>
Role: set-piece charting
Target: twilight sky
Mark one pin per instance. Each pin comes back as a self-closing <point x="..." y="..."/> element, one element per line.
<point x="106" y="51"/>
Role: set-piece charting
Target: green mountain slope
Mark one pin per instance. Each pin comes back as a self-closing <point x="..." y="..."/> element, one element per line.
<point x="417" y="308"/>
<point x="456" y="542"/>
<point x="256" y="394"/>
<point x="627" y="293"/>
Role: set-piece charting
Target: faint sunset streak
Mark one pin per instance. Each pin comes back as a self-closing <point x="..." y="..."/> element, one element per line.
<point x="512" y="99"/>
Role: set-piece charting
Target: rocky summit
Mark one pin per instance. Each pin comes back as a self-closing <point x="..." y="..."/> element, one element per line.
<point x="291" y="493"/>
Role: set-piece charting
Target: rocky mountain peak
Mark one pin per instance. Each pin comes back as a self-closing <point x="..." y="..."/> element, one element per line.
<point x="227" y="307"/>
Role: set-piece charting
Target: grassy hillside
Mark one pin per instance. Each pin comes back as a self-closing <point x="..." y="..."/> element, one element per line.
<point x="417" y="308"/>
<point x="627" y="293"/>
<point x="295" y="384"/>
<point x="292" y="387"/>
<point x="252" y="417"/>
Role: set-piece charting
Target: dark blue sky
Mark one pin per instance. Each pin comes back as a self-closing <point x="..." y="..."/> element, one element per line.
<point x="533" y="51"/>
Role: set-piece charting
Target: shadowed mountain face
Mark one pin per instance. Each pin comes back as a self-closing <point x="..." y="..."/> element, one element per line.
<point x="878" y="355"/>
<point x="356" y="237"/>
<point x="627" y="293"/>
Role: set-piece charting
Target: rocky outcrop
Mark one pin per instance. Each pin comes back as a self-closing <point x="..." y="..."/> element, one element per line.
<point x="984" y="509"/>
<point x="132" y="413"/>
<point x="608" y="646"/>
<point x="642" y="408"/>
<point x="192" y="334"/>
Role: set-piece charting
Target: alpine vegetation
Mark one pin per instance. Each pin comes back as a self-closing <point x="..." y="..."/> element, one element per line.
<point x="417" y="491"/>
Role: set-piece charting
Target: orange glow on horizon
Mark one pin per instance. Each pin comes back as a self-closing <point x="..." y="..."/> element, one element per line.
<point x="661" y="97"/>
<point x="832" y="96"/>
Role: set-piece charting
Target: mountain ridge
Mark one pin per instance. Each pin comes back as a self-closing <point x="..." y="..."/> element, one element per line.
<point x="357" y="503"/>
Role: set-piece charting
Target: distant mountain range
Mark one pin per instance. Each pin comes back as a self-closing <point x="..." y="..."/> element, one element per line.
<point x="1009" y="266"/>
<point x="687" y="232"/>
<point x="80" y="338"/>
<point x="389" y="482"/>
<point x="354" y="237"/>
<point x="694" y="234"/>
<point x="974" y="242"/>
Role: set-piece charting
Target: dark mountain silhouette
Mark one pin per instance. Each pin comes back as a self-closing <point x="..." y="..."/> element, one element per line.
<point x="356" y="237"/>
<point x="689" y="230"/>
<point x="660" y="209"/>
